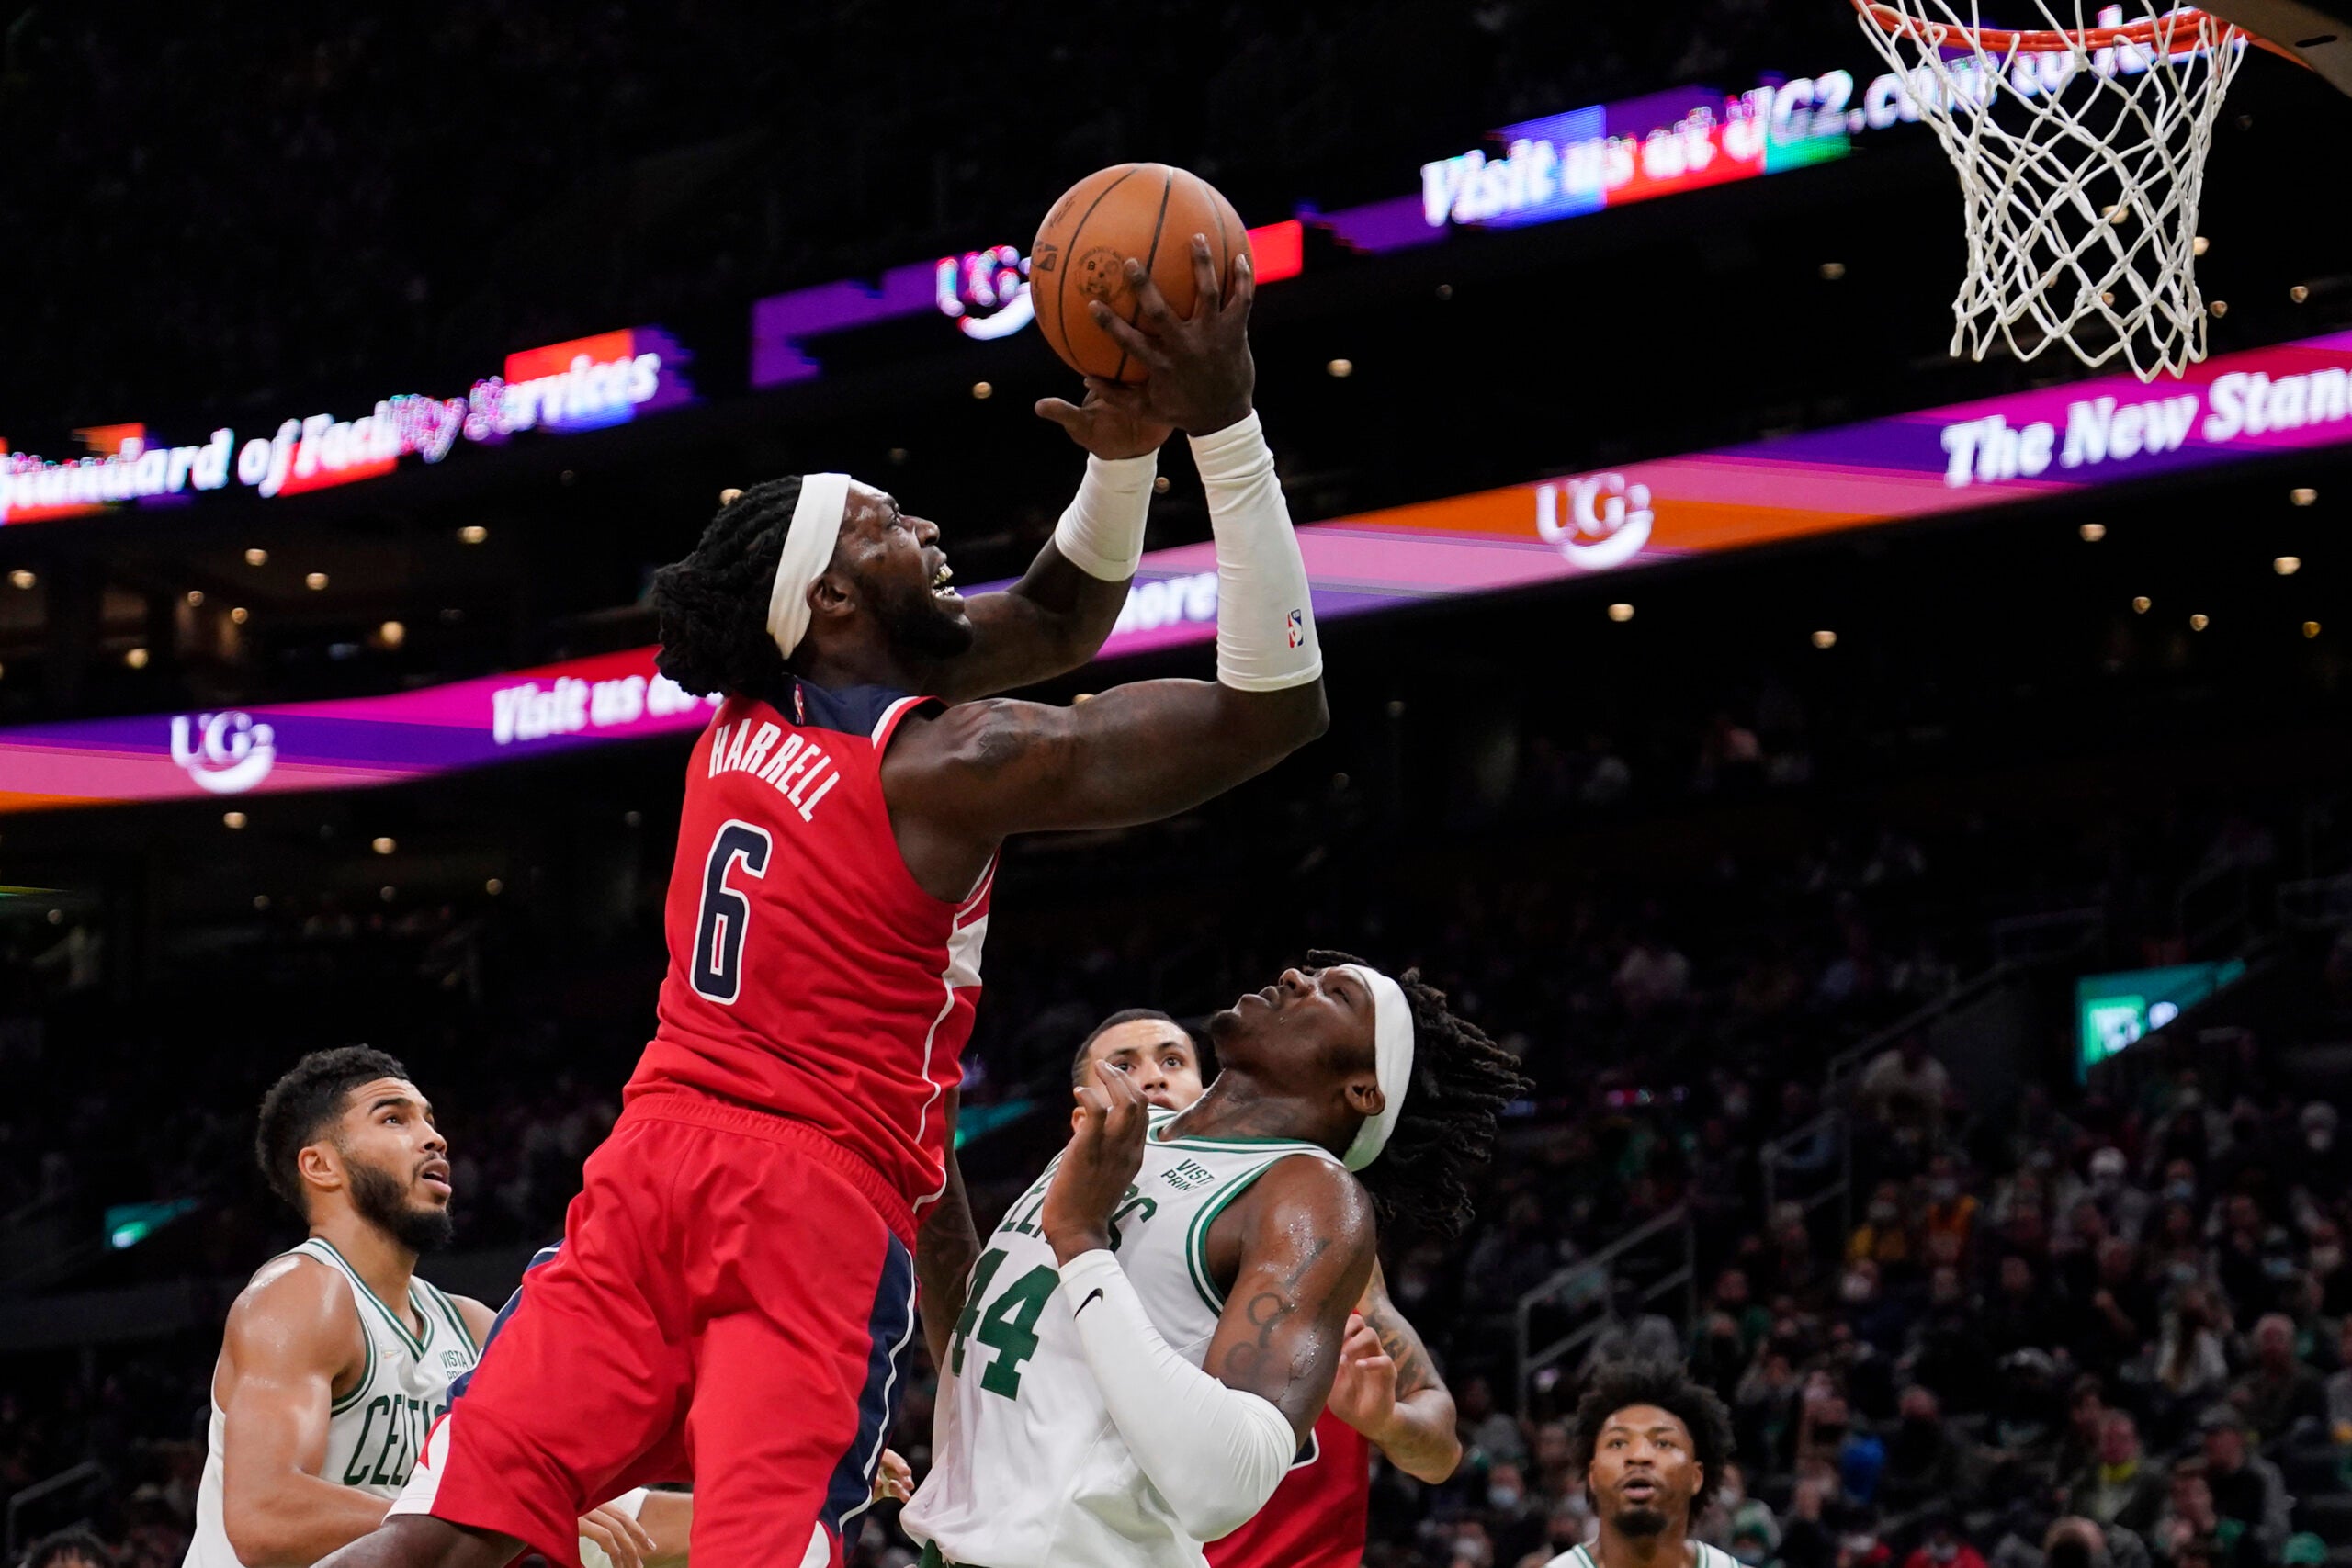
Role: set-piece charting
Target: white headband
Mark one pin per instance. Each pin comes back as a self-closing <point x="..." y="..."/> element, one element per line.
<point x="807" y="552"/>
<point x="1391" y="1056"/>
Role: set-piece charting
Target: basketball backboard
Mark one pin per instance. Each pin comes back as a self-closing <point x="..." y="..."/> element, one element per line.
<point x="2319" y="39"/>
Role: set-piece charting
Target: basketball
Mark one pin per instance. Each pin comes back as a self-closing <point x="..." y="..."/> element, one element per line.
<point x="1150" y="211"/>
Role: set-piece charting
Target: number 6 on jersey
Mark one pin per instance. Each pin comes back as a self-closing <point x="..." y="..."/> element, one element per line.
<point x="726" y="915"/>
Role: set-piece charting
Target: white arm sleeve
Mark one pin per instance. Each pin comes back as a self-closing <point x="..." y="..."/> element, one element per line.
<point x="1216" y="1453"/>
<point x="1101" y="531"/>
<point x="1265" y="616"/>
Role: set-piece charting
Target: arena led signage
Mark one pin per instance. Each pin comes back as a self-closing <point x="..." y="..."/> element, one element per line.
<point x="984" y="292"/>
<point x="565" y="388"/>
<point x="2021" y="448"/>
<point x="1609" y="155"/>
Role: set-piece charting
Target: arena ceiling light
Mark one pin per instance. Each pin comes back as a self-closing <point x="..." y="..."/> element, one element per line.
<point x="257" y="557"/>
<point x="2092" y="533"/>
<point x="21" y="578"/>
<point x="473" y="534"/>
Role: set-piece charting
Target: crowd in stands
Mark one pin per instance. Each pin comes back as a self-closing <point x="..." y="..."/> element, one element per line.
<point x="2145" y="1252"/>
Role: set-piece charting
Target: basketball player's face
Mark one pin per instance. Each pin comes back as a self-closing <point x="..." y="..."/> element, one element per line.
<point x="904" y="576"/>
<point x="1310" y="1026"/>
<point x="1645" y="1470"/>
<point x="1157" y="1055"/>
<point x="396" y="1163"/>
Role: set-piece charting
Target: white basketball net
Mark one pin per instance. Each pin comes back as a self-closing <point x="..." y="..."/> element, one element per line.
<point x="2080" y="160"/>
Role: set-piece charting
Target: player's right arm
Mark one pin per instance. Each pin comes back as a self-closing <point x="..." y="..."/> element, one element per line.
<point x="1215" y="1439"/>
<point x="292" y="1333"/>
<point x="1388" y="1389"/>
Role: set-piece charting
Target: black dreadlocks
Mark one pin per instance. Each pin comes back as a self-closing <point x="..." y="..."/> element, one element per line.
<point x="1461" y="1080"/>
<point x="1620" y="1385"/>
<point x="714" y="605"/>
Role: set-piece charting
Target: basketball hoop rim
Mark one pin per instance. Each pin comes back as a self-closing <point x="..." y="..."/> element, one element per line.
<point x="2185" y="27"/>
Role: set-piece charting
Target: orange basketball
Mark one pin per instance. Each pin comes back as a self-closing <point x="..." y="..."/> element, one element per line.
<point x="1150" y="211"/>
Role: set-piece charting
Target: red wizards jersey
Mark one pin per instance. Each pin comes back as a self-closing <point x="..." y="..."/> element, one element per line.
<point x="1316" y="1517"/>
<point x="810" y="974"/>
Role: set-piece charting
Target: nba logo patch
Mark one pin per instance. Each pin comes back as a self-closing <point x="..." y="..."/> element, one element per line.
<point x="1298" y="627"/>
<point x="799" y="705"/>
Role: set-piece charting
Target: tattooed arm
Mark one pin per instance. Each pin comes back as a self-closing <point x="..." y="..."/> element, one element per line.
<point x="1214" y="1441"/>
<point x="1302" y="1245"/>
<point x="1387" y="1389"/>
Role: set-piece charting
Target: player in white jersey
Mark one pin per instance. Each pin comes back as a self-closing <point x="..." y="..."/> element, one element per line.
<point x="337" y="1359"/>
<point x="1651" y="1443"/>
<point x="1150" y="1335"/>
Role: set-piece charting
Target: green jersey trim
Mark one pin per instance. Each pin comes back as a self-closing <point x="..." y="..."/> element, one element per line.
<point x="416" y="1344"/>
<point x="456" y="1318"/>
<point x="1159" y="1135"/>
<point x="1196" y="1236"/>
<point x="367" y="1341"/>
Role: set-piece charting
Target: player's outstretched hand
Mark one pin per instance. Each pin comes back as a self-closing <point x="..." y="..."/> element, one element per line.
<point x="1106" y="1151"/>
<point x="1363" y="1389"/>
<point x="1201" y="376"/>
<point x="1106" y="429"/>
<point x="620" y="1538"/>
<point x="894" y="1478"/>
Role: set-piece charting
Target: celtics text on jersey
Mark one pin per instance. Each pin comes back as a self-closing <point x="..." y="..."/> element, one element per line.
<point x="376" y="1428"/>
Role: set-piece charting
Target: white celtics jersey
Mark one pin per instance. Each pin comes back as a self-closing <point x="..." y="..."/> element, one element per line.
<point x="1027" y="1470"/>
<point x="1701" y="1556"/>
<point x="375" y="1430"/>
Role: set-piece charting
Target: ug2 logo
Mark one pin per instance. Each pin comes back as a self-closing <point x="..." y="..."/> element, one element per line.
<point x="225" y="753"/>
<point x="1608" y="521"/>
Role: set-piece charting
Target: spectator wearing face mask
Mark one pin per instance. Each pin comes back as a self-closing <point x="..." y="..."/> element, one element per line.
<point x="1884" y="1235"/>
<point x="1949" y="1209"/>
<point x="2124" y="1206"/>
<point x="2279" y="1394"/>
<point x="2177" y="1253"/>
<point x="2320" y="1166"/>
<point x="2191" y="1364"/>
<point x="1942" y="1546"/>
<point x="2326" y="1264"/>
<point x="1516" y="1521"/>
<point x="2119" y="1487"/>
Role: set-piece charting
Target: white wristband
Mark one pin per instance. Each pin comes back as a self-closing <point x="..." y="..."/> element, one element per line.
<point x="1101" y="531"/>
<point x="1265" y="612"/>
<point x="1215" y="1453"/>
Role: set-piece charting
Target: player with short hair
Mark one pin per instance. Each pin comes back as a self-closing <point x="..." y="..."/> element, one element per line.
<point x="738" y="1270"/>
<point x="1156" y="1325"/>
<point x="1651" y="1443"/>
<point x="325" y="1388"/>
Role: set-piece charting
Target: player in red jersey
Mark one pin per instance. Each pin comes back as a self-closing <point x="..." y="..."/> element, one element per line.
<point x="738" y="1268"/>
<point x="1387" y="1393"/>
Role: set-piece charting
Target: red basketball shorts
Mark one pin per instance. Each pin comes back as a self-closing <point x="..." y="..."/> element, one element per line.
<point x="726" y="1308"/>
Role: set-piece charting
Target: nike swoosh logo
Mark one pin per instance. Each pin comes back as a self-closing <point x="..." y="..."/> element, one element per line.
<point x="1095" y="1296"/>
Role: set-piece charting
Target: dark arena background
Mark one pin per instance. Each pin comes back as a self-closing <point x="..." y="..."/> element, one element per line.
<point x="1911" y="856"/>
